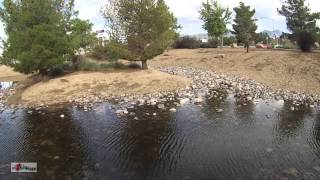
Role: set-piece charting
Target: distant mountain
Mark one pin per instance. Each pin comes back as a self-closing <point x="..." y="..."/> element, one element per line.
<point x="277" y="33"/>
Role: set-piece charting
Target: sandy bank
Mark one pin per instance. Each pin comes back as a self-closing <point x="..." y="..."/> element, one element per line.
<point x="80" y="84"/>
<point x="288" y="70"/>
<point x="7" y="74"/>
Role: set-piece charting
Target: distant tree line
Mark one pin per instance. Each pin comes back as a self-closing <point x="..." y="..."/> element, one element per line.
<point x="300" y="21"/>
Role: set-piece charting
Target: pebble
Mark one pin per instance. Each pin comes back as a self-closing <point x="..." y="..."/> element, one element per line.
<point x="184" y="101"/>
<point x="203" y="82"/>
<point x="161" y="106"/>
<point x="198" y="100"/>
<point x="220" y="110"/>
<point x="173" y="110"/>
<point x="62" y="116"/>
<point x="269" y="150"/>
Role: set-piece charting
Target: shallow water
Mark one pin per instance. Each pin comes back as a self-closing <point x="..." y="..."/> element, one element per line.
<point x="6" y="85"/>
<point x="257" y="141"/>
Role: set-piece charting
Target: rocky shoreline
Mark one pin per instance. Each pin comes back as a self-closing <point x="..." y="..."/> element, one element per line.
<point x="206" y="84"/>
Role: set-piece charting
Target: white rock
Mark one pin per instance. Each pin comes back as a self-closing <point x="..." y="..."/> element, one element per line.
<point x="173" y="110"/>
<point x="198" y="100"/>
<point x="119" y="111"/>
<point x="161" y="106"/>
<point x="220" y="110"/>
<point x="62" y="116"/>
<point x="184" y="101"/>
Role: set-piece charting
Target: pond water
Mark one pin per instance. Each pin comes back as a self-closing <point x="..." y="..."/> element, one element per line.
<point x="257" y="141"/>
<point x="6" y="85"/>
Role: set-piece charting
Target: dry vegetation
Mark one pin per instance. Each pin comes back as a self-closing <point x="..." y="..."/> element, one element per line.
<point x="7" y="74"/>
<point x="80" y="84"/>
<point x="290" y="70"/>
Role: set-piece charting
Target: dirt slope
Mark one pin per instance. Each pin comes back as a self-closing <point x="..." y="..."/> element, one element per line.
<point x="290" y="70"/>
<point x="79" y="84"/>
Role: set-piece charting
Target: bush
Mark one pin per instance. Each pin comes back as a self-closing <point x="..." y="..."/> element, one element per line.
<point x="89" y="66"/>
<point x="212" y="43"/>
<point x="94" y="66"/>
<point x="306" y="41"/>
<point x="61" y="69"/>
<point x="99" y="52"/>
<point x="229" y="40"/>
<point x="187" y="42"/>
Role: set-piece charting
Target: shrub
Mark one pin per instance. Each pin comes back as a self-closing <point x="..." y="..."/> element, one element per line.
<point x="187" y="42"/>
<point x="305" y="41"/>
<point x="229" y="40"/>
<point x="61" y="69"/>
<point x="99" y="52"/>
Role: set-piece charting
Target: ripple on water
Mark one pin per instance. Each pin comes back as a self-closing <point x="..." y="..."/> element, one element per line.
<point x="256" y="140"/>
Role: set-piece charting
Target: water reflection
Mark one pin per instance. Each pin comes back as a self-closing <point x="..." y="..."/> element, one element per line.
<point x="146" y="144"/>
<point x="289" y="122"/>
<point x="249" y="141"/>
<point x="52" y="142"/>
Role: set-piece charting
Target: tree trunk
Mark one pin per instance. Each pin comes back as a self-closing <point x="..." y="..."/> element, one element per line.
<point x="43" y="72"/>
<point x="144" y="65"/>
<point x="221" y="41"/>
<point x="247" y="44"/>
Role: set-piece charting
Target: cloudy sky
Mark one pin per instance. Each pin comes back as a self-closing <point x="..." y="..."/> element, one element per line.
<point x="187" y="13"/>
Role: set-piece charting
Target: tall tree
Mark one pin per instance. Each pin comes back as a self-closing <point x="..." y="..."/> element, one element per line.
<point x="143" y="28"/>
<point x="40" y="34"/>
<point x="215" y="18"/>
<point x="36" y="38"/>
<point x="244" y="26"/>
<point x="301" y="22"/>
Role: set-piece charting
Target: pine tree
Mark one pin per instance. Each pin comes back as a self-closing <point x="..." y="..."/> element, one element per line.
<point x="142" y="28"/>
<point x="41" y="35"/>
<point x="244" y="26"/>
<point x="215" y="18"/>
<point x="301" y="22"/>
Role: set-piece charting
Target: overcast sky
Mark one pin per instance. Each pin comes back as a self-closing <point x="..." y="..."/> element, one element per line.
<point x="188" y="17"/>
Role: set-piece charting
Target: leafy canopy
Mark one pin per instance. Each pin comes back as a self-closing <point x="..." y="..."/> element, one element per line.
<point x="299" y="17"/>
<point x="244" y="26"/>
<point x="40" y="34"/>
<point x="143" y="28"/>
<point x="215" y="18"/>
<point x="301" y="22"/>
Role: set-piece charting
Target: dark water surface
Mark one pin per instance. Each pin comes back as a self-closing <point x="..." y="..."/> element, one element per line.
<point x="263" y="141"/>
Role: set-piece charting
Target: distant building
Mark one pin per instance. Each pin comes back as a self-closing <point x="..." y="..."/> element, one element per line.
<point x="102" y="36"/>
